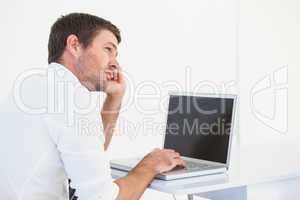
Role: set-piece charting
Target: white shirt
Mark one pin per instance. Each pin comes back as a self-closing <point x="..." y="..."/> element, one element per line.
<point x="50" y="131"/>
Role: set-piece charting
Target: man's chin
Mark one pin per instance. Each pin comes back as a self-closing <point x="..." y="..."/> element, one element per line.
<point x="99" y="88"/>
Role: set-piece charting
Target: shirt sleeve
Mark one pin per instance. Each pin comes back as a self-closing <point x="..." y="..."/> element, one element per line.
<point x="81" y="148"/>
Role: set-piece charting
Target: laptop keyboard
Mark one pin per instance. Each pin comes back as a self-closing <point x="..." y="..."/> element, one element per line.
<point x="193" y="166"/>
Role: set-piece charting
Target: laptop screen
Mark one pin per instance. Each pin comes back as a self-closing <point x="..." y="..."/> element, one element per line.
<point x="199" y="127"/>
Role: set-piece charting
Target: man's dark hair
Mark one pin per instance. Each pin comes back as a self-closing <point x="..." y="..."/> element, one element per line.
<point x="84" y="26"/>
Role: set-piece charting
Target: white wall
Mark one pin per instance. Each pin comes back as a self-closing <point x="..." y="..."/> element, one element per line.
<point x="268" y="54"/>
<point x="269" y="72"/>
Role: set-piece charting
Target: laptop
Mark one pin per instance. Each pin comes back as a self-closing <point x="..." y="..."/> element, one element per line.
<point x="200" y="128"/>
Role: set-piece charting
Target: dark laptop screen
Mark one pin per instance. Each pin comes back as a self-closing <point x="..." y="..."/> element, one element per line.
<point x="199" y="127"/>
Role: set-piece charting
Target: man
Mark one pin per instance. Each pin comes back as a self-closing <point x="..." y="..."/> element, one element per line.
<point x="41" y="144"/>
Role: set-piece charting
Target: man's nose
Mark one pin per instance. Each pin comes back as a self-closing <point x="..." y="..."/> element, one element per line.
<point x="114" y="64"/>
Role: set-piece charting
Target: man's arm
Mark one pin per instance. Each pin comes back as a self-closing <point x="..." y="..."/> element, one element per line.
<point x="115" y="90"/>
<point x="109" y="114"/>
<point x="132" y="186"/>
<point x="136" y="182"/>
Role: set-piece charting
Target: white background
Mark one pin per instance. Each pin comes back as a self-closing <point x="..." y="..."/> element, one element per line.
<point x="209" y="43"/>
<point x="268" y="41"/>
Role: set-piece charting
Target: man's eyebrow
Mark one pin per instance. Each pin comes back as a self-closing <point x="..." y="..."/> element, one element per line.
<point x="115" y="46"/>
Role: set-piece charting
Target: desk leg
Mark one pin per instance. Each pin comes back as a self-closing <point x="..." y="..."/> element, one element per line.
<point x="239" y="193"/>
<point x="190" y="197"/>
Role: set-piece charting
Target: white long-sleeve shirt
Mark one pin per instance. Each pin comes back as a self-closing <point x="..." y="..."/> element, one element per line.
<point x="50" y="131"/>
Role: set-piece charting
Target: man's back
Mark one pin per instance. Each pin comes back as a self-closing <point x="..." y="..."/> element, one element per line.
<point x="50" y="130"/>
<point x="29" y="158"/>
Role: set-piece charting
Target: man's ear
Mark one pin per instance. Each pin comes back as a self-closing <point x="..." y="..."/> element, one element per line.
<point x="73" y="46"/>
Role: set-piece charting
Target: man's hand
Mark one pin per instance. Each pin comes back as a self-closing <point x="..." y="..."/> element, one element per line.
<point x="162" y="160"/>
<point x="135" y="183"/>
<point x="115" y="84"/>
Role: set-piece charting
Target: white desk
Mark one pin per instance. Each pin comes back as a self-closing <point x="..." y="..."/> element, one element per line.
<point x="258" y="165"/>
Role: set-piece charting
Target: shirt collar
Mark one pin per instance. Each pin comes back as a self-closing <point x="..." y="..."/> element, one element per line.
<point x="64" y="72"/>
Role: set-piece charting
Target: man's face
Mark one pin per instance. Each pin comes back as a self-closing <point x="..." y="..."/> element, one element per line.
<point x="97" y="58"/>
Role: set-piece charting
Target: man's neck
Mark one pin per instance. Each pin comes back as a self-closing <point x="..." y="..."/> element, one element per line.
<point x="72" y="67"/>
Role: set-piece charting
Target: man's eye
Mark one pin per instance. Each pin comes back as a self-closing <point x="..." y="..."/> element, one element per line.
<point x="108" y="49"/>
